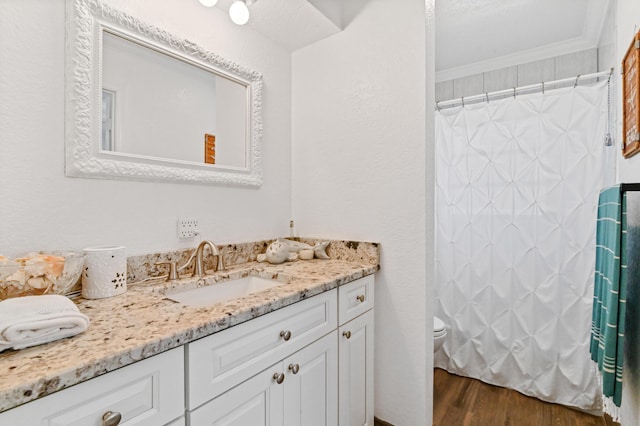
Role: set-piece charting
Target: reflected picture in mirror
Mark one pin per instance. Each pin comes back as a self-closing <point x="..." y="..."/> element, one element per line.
<point x="158" y="106"/>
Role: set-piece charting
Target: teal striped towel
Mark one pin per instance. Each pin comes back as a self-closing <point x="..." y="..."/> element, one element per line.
<point x="610" y="289"/>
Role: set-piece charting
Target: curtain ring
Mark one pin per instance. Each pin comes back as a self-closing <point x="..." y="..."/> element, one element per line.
<point x="487" y="96"/>
<point x="543" y="87"/>
<point x="514" y="93"/>
<point x="576" y="83"/>
<point x="462" y="99"/>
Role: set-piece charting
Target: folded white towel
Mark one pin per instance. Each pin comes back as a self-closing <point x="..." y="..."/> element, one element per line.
<point x="34" y="320"/>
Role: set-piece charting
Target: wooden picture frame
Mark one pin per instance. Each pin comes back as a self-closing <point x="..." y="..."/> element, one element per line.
<point x="631" y="99"/>
<point x="209" y="149"/>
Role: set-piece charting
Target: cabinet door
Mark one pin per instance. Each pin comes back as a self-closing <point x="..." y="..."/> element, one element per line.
<point x="256" y="402"/>
<point x="311" y="385"/>
<point x="149" y="392"/>
<point x="355" y="367"/>
<point x="219" y="362"/>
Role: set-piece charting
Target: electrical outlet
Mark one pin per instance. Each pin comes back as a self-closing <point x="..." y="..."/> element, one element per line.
<point x="187" y="227"/>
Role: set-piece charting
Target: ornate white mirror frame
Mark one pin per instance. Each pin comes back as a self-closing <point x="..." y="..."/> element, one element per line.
<point x="86" y="20"/>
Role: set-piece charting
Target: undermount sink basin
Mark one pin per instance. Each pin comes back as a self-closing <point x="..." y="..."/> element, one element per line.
<point x="223" y="292"/>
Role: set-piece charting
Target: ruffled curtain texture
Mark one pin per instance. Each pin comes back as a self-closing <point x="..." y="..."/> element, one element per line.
<point x="517" y="183"/>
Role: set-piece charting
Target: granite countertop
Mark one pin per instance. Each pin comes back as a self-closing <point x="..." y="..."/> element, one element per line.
<point x="142" y="322"/>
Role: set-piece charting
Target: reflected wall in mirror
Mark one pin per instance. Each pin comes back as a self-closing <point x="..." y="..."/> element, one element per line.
<point x="184" y="102"/>
<point x="144" y="104"/>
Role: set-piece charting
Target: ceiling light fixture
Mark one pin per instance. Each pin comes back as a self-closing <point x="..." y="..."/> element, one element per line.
<point x="238" y="11"/>
<point x="208" y="3"/>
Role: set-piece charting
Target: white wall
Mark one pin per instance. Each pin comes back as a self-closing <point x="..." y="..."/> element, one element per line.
<point x="607" y="40"/>
<point x="628" y="22"/>
<point x="359" y="156"/>
<point x="553" y="68"/>
<point x="41" y="209"/>
<point x="231" y="119"/>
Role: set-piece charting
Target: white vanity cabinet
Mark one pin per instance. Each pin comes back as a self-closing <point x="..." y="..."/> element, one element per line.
<point x="148" y="392"/>
<point x="307" y="364"/>
<point x="356" y="353"/>
<point x="300" y="390"/>
<point x="285" y="362"/>
<point x="222" y="360"/>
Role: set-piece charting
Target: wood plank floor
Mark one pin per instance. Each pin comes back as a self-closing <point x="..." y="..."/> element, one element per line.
<point x="460" y="401"/>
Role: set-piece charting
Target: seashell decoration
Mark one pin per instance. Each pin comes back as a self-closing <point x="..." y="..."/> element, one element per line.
<point x="39" y="273"/>
<point x="320" y="250"/>
<point x="277" y="252"/>
<point x="282" y="250"/>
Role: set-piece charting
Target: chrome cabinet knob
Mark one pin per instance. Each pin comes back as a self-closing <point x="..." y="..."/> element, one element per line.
<point x="294" y="368"/>
<point x="111" y="418"/>
<point x="360" y="298"/>
<point x="347" y="334"/>
<point x="286" y="335"/>
<point x="278" y="378"/>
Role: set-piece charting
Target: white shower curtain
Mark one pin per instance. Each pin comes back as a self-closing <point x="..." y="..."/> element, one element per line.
<point x="516" y="197"/>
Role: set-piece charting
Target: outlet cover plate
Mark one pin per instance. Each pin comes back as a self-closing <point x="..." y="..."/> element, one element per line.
<point x="187" y="227"/>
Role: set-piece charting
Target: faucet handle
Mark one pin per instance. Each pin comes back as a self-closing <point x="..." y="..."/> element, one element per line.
<point x="173" y="269"/>
<point x="221" y="266"/>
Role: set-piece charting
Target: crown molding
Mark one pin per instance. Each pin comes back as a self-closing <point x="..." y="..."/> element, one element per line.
<point x="544" y="52"/>
<point x="592" y="33"/>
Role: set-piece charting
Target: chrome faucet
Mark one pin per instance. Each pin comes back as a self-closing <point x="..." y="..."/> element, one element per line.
<point x="198" y="270"/>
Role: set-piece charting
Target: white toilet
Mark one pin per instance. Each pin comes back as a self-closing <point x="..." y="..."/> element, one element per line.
<point x="439" y="333"/>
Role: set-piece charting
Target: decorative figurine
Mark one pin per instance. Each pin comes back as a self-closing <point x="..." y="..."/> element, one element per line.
<point x="282" y="250"/>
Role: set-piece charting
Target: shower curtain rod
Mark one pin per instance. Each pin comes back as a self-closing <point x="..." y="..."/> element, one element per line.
<point x="523" y="90"/>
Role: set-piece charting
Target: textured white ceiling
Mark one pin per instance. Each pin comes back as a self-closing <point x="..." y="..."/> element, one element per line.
<point x="482" y="31"/>
<point x="486" y="34"/>
<point x="293" y="23"/>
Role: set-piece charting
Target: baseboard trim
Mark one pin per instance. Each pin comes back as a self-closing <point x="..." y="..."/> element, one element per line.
<point x="378" y="422"/>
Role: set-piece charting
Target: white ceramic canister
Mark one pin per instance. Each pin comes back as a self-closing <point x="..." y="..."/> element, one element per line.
<point x="105" y="272"/>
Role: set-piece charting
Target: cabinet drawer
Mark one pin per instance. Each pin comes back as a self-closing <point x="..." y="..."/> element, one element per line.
<point x="220" y="361"/>
<point x="355" y="298"/>
<point x="149" y="392"/>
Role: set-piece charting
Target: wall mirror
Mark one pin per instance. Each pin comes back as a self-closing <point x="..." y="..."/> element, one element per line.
<point x="144" y="104"/>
